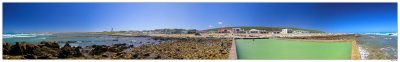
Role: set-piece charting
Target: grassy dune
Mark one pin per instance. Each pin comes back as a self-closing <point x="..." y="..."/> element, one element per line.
<point x="279" y="49"/>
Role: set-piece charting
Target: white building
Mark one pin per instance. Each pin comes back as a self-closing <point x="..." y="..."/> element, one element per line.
<point x="300" y="31"/>
<point x="263" y="32"/>
<point x="274" y="32"/>
<point x="254" y="31"/>
<point x="237" y="30"/>
<point x="286" y="31"/>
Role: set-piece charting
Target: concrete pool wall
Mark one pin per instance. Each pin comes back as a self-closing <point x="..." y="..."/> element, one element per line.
<point x="232" y="52"/>
<point x="355" y="53"/>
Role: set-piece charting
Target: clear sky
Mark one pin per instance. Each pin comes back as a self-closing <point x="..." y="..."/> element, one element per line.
<point x="76" y="17"/>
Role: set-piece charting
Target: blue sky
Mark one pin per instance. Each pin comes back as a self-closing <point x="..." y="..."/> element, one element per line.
<point x="76" y="17"/>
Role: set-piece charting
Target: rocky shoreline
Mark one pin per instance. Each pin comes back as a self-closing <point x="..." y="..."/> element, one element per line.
<point x="170" y="48"/>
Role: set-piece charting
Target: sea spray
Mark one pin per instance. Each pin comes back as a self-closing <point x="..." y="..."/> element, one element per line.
<point x="23" y="35"/>
<point x="381" y="33"/>
<point x="364" y="54"/>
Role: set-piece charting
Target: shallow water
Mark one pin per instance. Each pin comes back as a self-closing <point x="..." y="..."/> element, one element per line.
<point x="81" y="39"/>
<point x="378" y="47"/>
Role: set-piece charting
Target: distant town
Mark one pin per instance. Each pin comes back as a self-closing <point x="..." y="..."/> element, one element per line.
<point x="243" y="32"/>
<point x="220" y="30"/>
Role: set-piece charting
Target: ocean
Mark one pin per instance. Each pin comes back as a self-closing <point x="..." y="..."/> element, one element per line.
<point x="78" y="39"/>
<point x="378" y="46"/>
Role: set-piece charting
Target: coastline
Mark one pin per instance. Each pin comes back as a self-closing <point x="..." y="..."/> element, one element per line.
<point x="158" y="53"/>
<point x="169" y="48"/>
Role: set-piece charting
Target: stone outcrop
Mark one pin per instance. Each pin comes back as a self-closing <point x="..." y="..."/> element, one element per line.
<point x="45" y="53"/>
<point x="98" y="49"/>
<point x="169" y="48"/>
<point x="69" y="52"/>
<point x="185" y="48"/>
<point x="50" y="44"/>
<point x="6" y="48"/>
<point x="21" y="48"/>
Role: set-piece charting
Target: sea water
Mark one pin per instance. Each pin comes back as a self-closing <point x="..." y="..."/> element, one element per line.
<point x="378" y="46"/>
<point x="77" y="39"/>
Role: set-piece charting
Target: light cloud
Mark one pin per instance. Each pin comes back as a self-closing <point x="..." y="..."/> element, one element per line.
<point x="220" y="23"/>
<point x="210" y="26"/>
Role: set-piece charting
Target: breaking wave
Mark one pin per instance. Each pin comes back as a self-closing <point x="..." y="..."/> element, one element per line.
<point x="391" y="34"/>
<point x="22" y="35"/>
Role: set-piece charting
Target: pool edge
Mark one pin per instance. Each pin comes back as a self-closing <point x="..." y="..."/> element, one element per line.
<point x="232" y="52"/>
<point x="355" y="53"/>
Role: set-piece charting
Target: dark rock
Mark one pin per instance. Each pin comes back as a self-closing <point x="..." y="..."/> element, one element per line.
<point x="50" y="44"/>
<point x="104" y="56"/>
<point x="45" y="52"/>
<point x="98" y="49"/>
<point x="131" y="46"/>
<point x="21" y="48"/>
<point x="71" y="41"/>
<point x="193" y="47"/>
<point x="135" y="55"/>
<point x="158" y="57"/>
<point x="78" y="51"/>
<point x="68" y="52"/>
<point x="118" y="47"/>
<point x="146" y="55"/>
<point x="6" y="48"/>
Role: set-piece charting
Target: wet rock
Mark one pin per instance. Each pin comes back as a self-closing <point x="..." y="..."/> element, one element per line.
<point x="21" y="48"/>
<point x="68" y="52"/>
<point x="45" y="52"/>
<point x="50" y="44"/>
<point x="78" y="51"/>
<point x="71" y="41"/>
<point x="131" y="46"/>
<point x="118" y="47"/>
<point x="6" y="48"/>
<point x="98" y="49"/>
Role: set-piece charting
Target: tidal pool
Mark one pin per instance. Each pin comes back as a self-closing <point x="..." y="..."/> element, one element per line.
<point x="285" y="49"/>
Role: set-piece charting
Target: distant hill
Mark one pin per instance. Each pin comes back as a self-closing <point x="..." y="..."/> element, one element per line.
<point x="266" y="28"/>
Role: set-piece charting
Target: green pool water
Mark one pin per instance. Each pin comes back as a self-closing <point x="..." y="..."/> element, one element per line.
<point x="280" y="49"/>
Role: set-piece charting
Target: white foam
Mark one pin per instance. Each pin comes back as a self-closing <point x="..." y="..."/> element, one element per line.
<point x="392" y="34"/>
<point x="22" y="35"/>
<point x="363" y="53"/>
